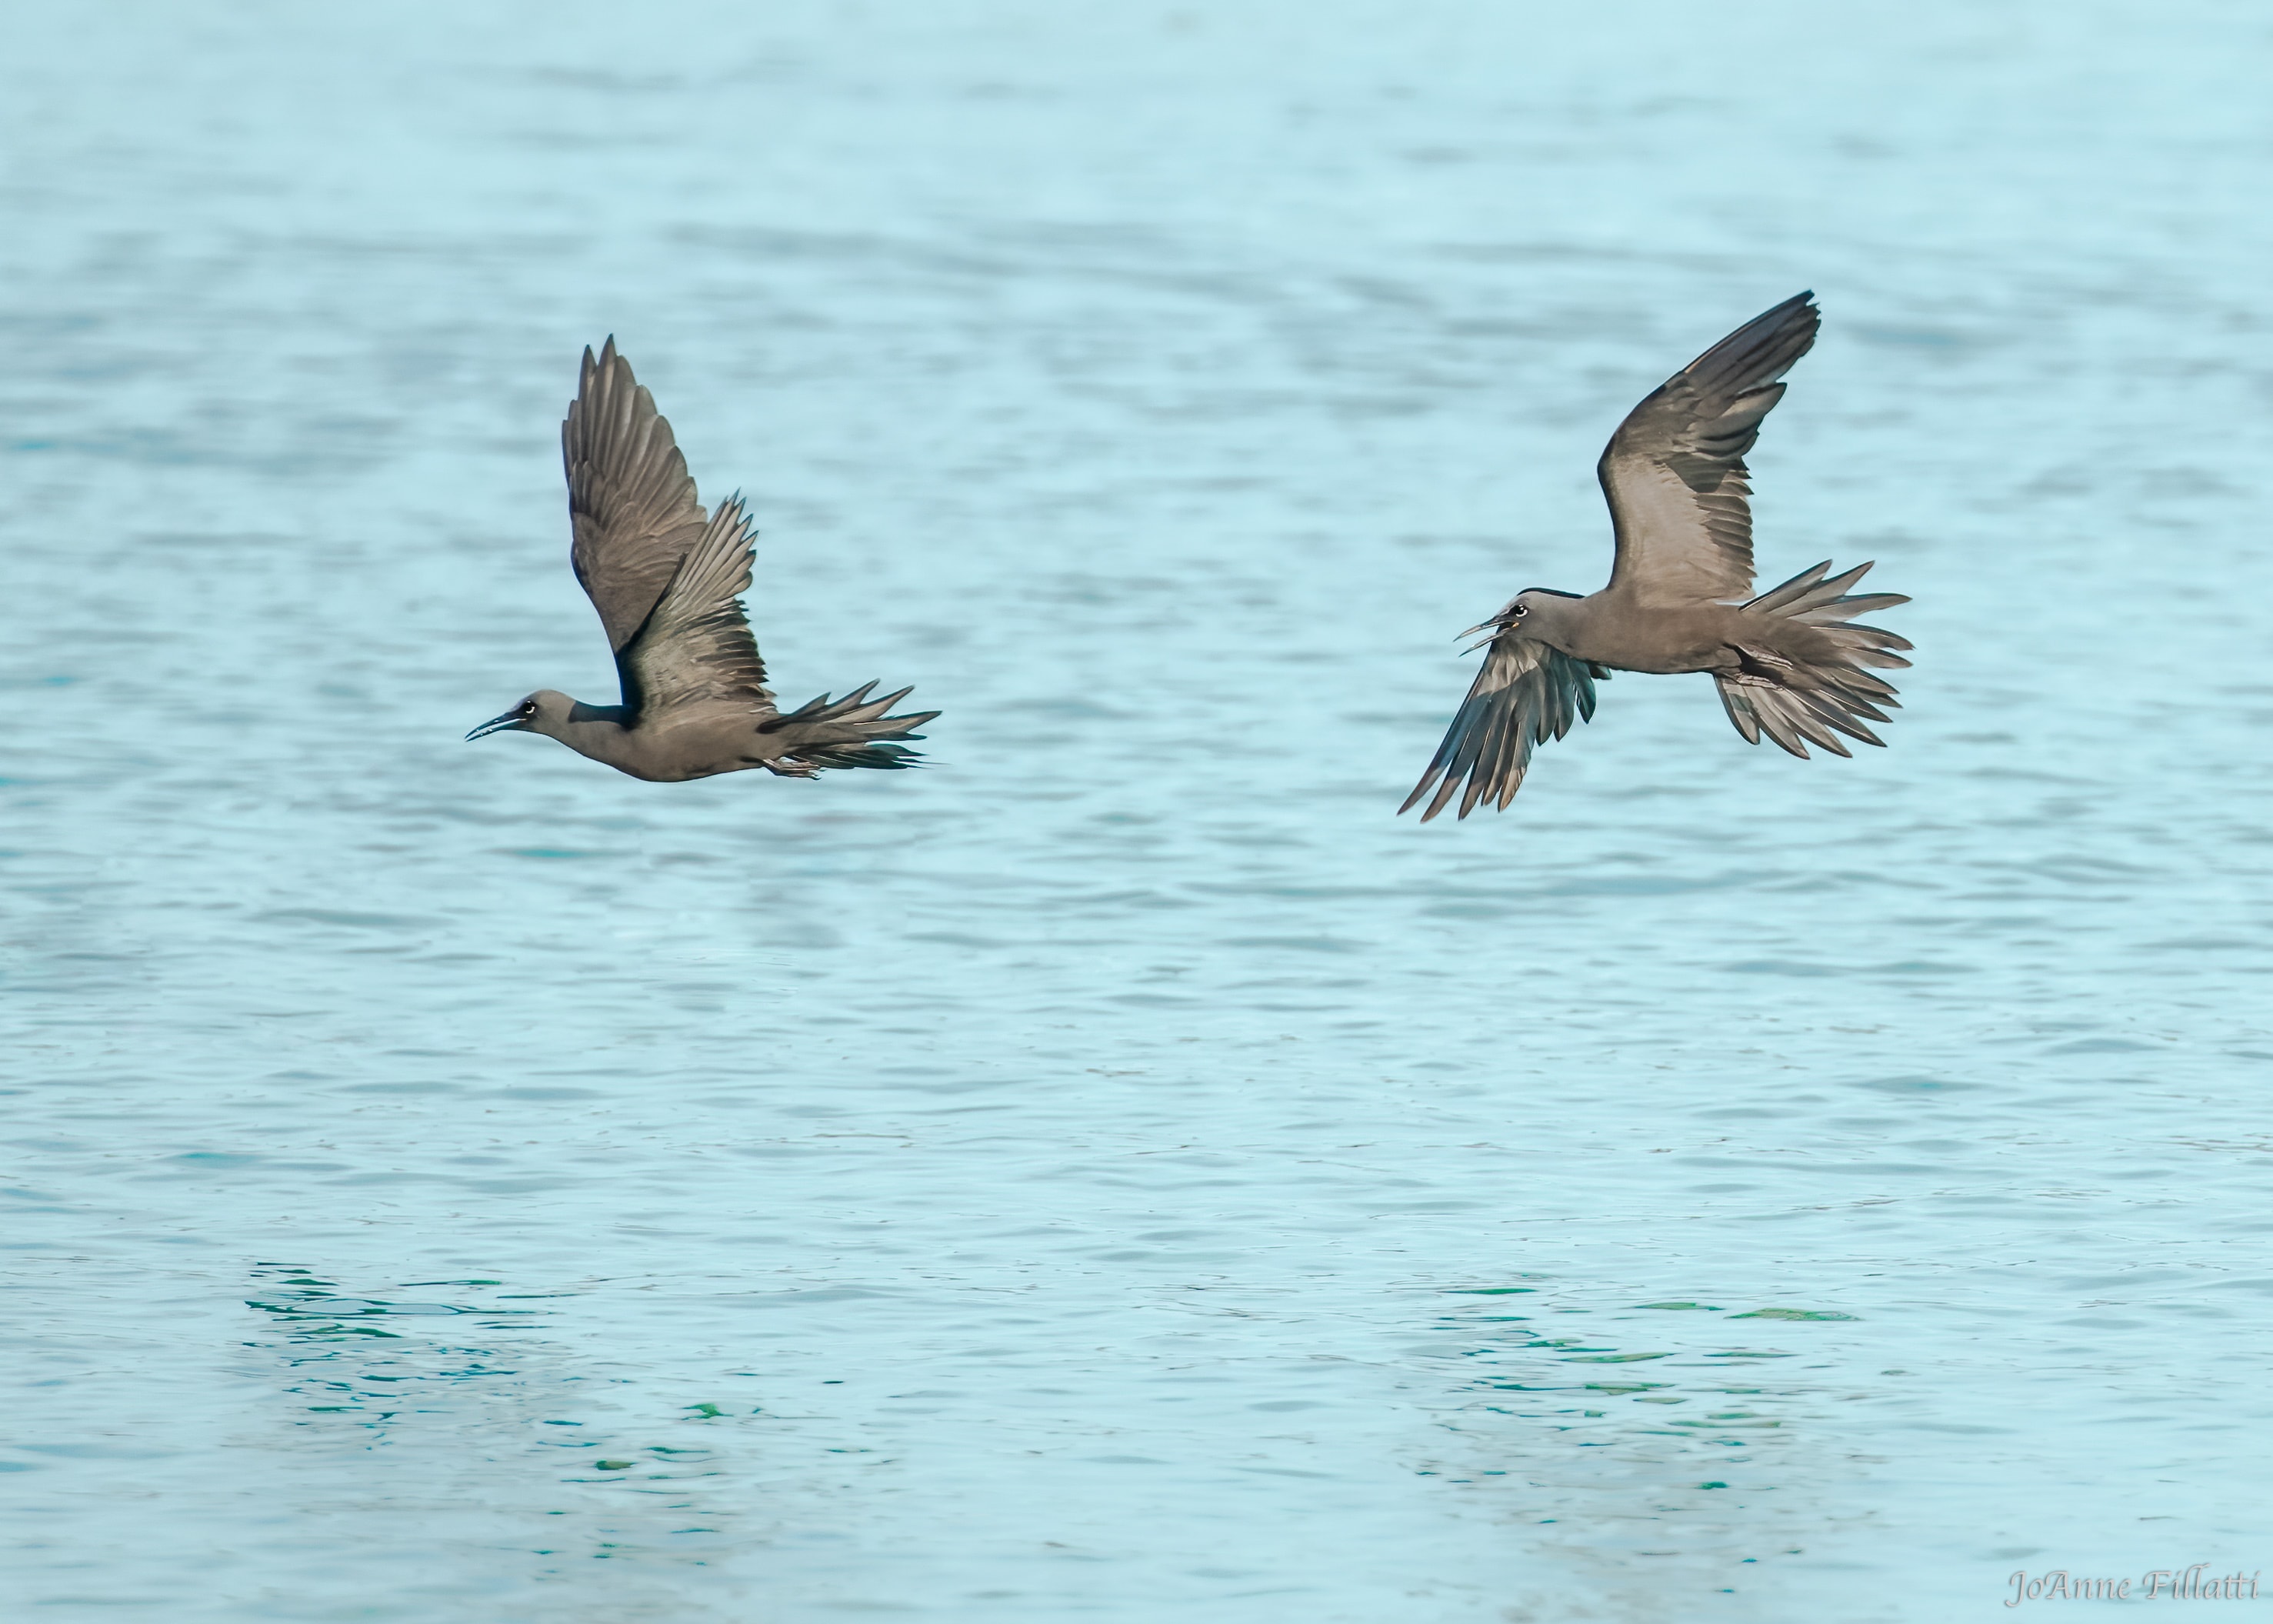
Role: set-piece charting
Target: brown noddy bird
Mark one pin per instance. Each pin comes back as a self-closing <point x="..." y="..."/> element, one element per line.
<point x="1788" y="662"/>
<point x="665" y="577"/>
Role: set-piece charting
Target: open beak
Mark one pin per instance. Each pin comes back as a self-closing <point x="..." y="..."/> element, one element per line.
<point x="496" y="724"/>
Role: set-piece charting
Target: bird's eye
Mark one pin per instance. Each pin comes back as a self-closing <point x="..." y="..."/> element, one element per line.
<point x="1520" y="610"/>
<point x="529" y="707"/>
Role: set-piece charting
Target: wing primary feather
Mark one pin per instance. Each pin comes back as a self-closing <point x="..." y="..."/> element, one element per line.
<point x="1501" y="732"/>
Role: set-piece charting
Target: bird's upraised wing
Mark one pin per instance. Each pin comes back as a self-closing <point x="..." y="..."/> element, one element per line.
<point x="1675" y="470"/>
<point x="1527" y="694"/>
<point x="694" y="648"/>
<point x="630" y="498"/>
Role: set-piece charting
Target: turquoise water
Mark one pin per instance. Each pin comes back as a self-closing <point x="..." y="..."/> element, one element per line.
<point x="1124" y="1172"/>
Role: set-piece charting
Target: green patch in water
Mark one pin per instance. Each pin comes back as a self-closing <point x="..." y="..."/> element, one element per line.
<point x="1791" y="1313"/>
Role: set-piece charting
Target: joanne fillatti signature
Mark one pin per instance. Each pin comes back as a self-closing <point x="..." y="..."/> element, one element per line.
<point x="2170" y="1584"/>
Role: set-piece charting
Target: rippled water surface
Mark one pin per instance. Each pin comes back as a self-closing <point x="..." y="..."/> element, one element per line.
<point x="1124" y="1172"/>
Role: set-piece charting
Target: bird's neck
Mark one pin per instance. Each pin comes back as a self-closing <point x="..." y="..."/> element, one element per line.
<point x="602" y="731"/>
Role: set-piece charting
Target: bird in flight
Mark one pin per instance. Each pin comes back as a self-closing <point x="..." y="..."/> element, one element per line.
<point x="666" y="578"/>
<point x="1789" y="664"/>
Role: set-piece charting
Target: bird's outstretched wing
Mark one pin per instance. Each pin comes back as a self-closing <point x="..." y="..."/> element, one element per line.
<point x="694" y="647"/>
<point x="630" y="498"/>
<point x="1675" y="470"/>
<point x="1527" y="694"/>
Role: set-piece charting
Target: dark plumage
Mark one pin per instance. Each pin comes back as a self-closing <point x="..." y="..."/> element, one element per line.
<point x="1789" y="665"/>
<point x="666" y="579"/>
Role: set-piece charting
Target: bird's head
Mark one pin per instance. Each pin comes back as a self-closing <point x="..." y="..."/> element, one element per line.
<point x="542" y="712"/>
<point x="1534" y="611"/>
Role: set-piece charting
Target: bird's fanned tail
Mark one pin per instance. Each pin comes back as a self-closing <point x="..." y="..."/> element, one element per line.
<point x="850" y="732"/>
<point x="1527" y="694"/>
<point x="1801" y="681"/>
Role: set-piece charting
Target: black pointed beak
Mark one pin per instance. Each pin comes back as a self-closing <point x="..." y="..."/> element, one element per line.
<point x="496" y="724"/>
<point x="1494" y="627"/>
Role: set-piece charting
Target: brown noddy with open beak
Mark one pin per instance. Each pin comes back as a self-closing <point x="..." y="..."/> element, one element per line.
<point x="1789" y="664"/>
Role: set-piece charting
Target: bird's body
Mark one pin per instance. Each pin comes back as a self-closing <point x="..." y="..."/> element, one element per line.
<point x="1787" y="664"/>
<point x="1610" y="628"/>
<point x="665" y="577"/>
<point x="667" y="749"/>
<point x="1614" y="631"/>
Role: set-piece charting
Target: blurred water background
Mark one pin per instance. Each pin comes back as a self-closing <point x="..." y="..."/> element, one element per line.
<point x="1124" y="1172"/>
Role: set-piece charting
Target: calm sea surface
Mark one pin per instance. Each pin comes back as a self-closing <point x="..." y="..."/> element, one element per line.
<point x="1124" y="1172"/>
